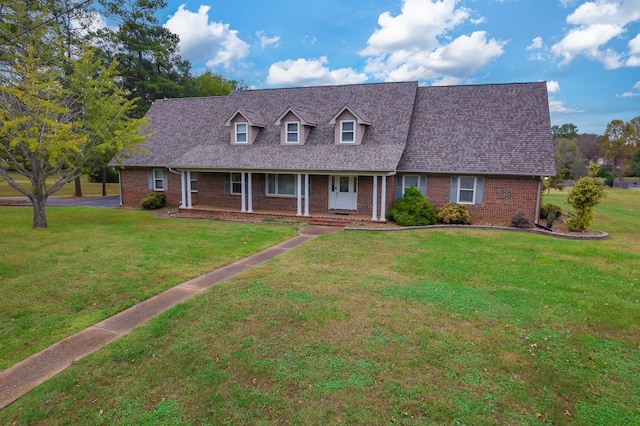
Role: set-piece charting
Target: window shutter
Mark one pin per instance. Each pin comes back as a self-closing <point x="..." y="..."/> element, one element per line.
<point x="165" y="181"/>
<point x="423" y="185"/>
<point x="479" y="190"/>
<point x="453" y="195"/>
<point x="150" y="178"/>
<point x="227" y="183"/>
<point x="399" y="185"/>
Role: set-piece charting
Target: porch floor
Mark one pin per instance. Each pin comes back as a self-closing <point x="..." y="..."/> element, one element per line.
<point x="338" y="218"/>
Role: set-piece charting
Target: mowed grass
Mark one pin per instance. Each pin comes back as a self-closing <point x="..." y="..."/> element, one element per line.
<point x="88" y="188"/>
<point x="91" y="263"/>
<point x="440" y="326"/>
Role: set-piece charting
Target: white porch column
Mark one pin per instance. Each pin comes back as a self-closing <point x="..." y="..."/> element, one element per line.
<point x="299" y="203"/>
<point x="383" y="199"/>
<point x="243" y="193"/>
<point x="249" y="194"/>
<point x="306" y="194"/>
<point x="374" y="213"/>
<point x="189" y="200"/>
<point x="183" y="188"/>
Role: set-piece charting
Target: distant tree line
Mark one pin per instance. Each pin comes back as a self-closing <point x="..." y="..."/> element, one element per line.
<point x="616" y="152"/>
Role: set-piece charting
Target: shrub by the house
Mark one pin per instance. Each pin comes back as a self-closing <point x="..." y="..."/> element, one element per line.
<point x="153" y="201"/>
<point x="413" y="209"/>
<point x="520" y="220"/>
<point x="550" y="212"/>
<point x="452" y="213"/>
<point x="584" y="196"/>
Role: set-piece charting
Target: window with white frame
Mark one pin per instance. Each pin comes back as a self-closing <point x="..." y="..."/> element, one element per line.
<point x="236" y="183"/>
<point x="466" y="190"/>
<point x="241" y="132"/>
<point x="347" y="131"/>
<point x="409" y="181"/>
<point x="293" y="132"/>
<point x="282" y="185"/>
<point x="159" y="179"/>
<point x="193" y="181"/>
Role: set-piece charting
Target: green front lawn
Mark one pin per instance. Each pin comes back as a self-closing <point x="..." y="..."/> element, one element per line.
<point x="440" y="326"/>
<point x="92" y="263"/>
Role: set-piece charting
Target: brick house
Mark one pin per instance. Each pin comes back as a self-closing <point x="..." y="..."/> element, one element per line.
<point x="316" y="151"/>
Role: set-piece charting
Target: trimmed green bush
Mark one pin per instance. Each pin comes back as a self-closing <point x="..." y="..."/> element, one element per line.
<point x="583" y="197"/>
<point x="413" y="209"/>
<point x="153" y="201"/>
<point x="454" y="214"/>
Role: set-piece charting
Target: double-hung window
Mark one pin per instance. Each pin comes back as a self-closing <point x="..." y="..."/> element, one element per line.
<point x="282" y="185"/>
<point x="193" y="182"/>
<point x="409" y="181"/>
<point x="293" y="132"/>
<point x="467" y="190"/>
<point x="347" y="131"/>
<point x="241" y="132"/>
<point x="159" y="179"/>
<point x="236" y="183"/>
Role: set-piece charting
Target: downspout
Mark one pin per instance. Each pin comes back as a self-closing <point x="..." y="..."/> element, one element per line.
<point x="538" y="200"/>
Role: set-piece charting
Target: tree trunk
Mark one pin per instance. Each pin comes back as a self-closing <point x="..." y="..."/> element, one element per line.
<point x="39" y="213"/>
<point x="78" y="187"/>
<point x="104" y="181"/>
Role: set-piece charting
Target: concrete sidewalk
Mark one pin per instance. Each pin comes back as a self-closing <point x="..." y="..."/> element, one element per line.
<point x="26" y="375"/>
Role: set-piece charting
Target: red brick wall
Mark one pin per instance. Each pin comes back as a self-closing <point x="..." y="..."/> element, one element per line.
<point x="503" y="197"/>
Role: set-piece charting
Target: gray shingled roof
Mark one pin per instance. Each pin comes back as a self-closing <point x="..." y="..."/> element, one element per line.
<point x="484" y="129"/>
<point x="190" y="133"/>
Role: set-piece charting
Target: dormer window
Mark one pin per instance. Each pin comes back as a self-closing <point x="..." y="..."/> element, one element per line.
<point x="241" y="132"/>
<point x="347" y="131"/>
<point x="295" y="126"/>
<point x="350" y="126"/>
<point x="293" y="132"/>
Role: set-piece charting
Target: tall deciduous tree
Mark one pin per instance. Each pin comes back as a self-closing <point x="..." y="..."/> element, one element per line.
<point x="57" y="113"/>
<point x="209" y="84"/>
<point x="566" y="131"/>
<point x="619" y="142"/>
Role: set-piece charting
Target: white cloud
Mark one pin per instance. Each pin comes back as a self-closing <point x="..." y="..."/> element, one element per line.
<point x="553" y="86"/>
<point x="268" y="41"/>
<point x="536" y="43"/>
<point x="201" y="41"/>
<point x="634" y="52"/>
<point x="596" y="23"/>
<point x="558" y="106"/>
<point x="637" y="85"/>
<point x="409" y="47"/>
<point x="629" y="95"/>
<point x="313" y="72"/>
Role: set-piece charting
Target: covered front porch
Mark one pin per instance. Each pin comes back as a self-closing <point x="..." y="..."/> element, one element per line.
<point x="336" y="197"/>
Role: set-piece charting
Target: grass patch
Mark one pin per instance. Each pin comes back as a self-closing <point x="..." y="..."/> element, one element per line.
<point x="440" y="326"/>
<point x="92" y="263"/>
<point x="88" y="188"/>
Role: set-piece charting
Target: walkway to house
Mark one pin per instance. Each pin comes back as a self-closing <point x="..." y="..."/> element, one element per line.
<point x="26" y="375"/>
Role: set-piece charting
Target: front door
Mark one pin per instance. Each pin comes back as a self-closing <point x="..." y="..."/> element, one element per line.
<point x="343" y="193"/>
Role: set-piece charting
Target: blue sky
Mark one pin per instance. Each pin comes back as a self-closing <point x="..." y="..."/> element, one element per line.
<point x="587" y="51"/>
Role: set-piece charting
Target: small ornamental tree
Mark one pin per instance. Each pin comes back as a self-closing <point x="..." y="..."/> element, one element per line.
<point x="413" y="209"/>
<point x="586" y="193"/>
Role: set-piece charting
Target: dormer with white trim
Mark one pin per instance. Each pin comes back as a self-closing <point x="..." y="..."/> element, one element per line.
<point x="350" y="126"/>
<point x="295" y="126"/>
<point x="245" y="126"/>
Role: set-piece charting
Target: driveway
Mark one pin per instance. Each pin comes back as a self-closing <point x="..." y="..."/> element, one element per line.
<point x="109" y="201"/>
